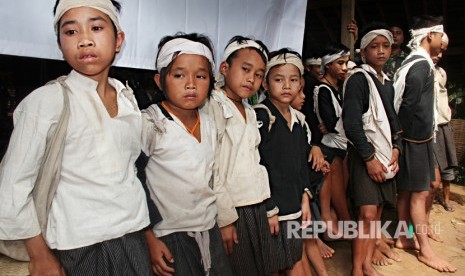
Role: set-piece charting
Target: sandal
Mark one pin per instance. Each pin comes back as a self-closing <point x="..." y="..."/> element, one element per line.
<point x="448" y="208"/>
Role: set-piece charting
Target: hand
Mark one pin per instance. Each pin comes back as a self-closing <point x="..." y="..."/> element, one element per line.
<point x="326" y="168"/>
<point x="394" y="161"/>
<point x="353" y="29"/>
<point x="376" y="170"/>
<point x="42" y="260"/>
<point x="47" y="264"/>
<point x="306" y="214"/>
<point x="322" y="128"/>
<point x="158" y="254"/>
<point x="274" y="225"/>
<point x="229" y="235"/>
<point x="317" y="158"/>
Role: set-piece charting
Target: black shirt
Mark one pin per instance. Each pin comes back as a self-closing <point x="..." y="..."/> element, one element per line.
<point x="356" y="103"/>
<point x="284" y="154"/>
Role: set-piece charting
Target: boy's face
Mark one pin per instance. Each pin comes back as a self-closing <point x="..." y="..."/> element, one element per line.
<point x="88" y="42"/>
<point x="337" y="68"/>
<point x="435" y="40"/>
<point x="283" y="83"/>
<point x="299" y="100"/>
<point x="315" y="70"/>
<point x="398" y="35"/>
<point x="188" y="82"/>
<point x="377" y="52"/>
<point x="437" y="58"/>
<point x="244" y="75"/>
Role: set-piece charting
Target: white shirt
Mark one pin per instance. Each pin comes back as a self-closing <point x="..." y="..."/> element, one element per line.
<point x="239" y="179"/>
<point x="442" y="100"/>
<point x="179" y="171"/>
<point x="99" y="196"/>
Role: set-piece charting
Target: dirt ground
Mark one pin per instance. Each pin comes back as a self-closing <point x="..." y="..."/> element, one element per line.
<point x="450" y="224"/>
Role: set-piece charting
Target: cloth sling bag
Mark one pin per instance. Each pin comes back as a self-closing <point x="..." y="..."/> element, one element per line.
<point x="376" y="123"/>
<point x="47" y="179"/>
<point x="333" y="140"/>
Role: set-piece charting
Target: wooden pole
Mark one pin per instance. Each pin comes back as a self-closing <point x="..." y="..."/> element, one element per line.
<point x="347" y="14"/>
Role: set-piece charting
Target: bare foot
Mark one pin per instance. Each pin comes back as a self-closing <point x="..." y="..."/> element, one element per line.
<point x="379" y="259"/>
<point x="387" y="251"/>
<point x="432" y="235"/>
<point x="404" y="243"/>
<point x="369" y="270"/>
<point x="437" y="263"/>
<point x="325" y="251"/>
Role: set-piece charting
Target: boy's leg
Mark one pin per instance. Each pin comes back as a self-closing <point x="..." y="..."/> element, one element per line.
<point x="313" y="254"/>
<point x="338" y="191"/>
<point x="446" y="193"/>
<point x="362" y="243"/>
<point x="325" y="199"/>
<point x="429" y="204"/>
<point x="403" y="212"/>
<point x="418" y="214"/>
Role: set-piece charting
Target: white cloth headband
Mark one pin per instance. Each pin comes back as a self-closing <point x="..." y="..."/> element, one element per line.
<point x="313" y="61"/>
<point x="287" y="58"/>
<point x="104" y="6"/>
<point x="182" y="46"/>
<point x="420" y="34"/>
<point x="367" y="38"/>
<point x="330" y="58"/>
<point x="234" y="46"/>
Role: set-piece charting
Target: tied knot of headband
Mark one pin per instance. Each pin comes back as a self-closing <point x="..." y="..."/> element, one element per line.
<point x="104" y="6"/>
<point x="419" y="34"/>
<point x="179" y="46"/>
<point x="287" y="58"/>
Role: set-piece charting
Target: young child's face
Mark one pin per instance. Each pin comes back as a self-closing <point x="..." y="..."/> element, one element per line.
<point x="377" y="52"/>
<point x="337" y="68"/>
<point x="244" y="75"/>
<point x="299" y="100"/>
<point x="88" y="42"/>
<point x="188" y="81"/>
<point x="283" y="83"/>
<point x="398" y="35"/>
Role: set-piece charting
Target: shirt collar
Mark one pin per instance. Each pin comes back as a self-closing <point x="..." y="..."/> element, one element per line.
<point x="370" y="69"/>
<point x="294" y="118"/>
<point x="88" y="84"/>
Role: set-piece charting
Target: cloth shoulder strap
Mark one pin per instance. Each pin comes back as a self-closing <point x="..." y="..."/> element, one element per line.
<point x="271" y="117"/>
<point x="47" y="179"/>
<point x="399" y="81"/>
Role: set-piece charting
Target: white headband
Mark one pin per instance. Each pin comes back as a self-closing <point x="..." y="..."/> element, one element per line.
<point x="330" y="58"/>
<point x="287" y="58"/>
<point x="420" y="34"/>
<point x="368" y="37"/>
<point x="181" y="46"/>
<point x="313" y="61"/>
<point x="234" y="46"/>
<point x="104" y="6"/>
<point x="445" y="39"/>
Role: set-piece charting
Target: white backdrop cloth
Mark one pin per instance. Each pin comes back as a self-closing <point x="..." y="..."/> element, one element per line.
<point x="26" y="25"/>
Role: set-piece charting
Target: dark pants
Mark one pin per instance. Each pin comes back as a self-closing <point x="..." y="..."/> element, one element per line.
<point x="127" y="255"/>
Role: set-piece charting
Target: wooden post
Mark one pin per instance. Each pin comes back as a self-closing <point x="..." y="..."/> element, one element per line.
<point x="347" y="14"/>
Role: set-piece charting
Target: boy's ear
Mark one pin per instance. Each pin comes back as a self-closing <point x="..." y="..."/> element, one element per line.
<point x="119" y="40"/>
<point x="224" y="66"/>
<point x="156" y="78"/>
<point x="265" y="84"/>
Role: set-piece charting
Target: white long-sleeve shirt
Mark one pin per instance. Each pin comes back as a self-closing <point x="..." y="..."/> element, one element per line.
<point x="239" y="179"/>
<point x="179" y="171"/>
<point x="99" y="196"/>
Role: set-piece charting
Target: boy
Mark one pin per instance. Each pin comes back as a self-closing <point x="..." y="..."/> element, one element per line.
<point x="444" y="147"/>
<point x="99" y="206"/>
<point x="372" y="128"/>
<point x="414" y="88"/>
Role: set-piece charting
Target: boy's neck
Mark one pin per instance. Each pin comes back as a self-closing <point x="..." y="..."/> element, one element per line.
<point x="396" y="50"/>
<point x="283" y="108"/>
<point x="181" y="114"/>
